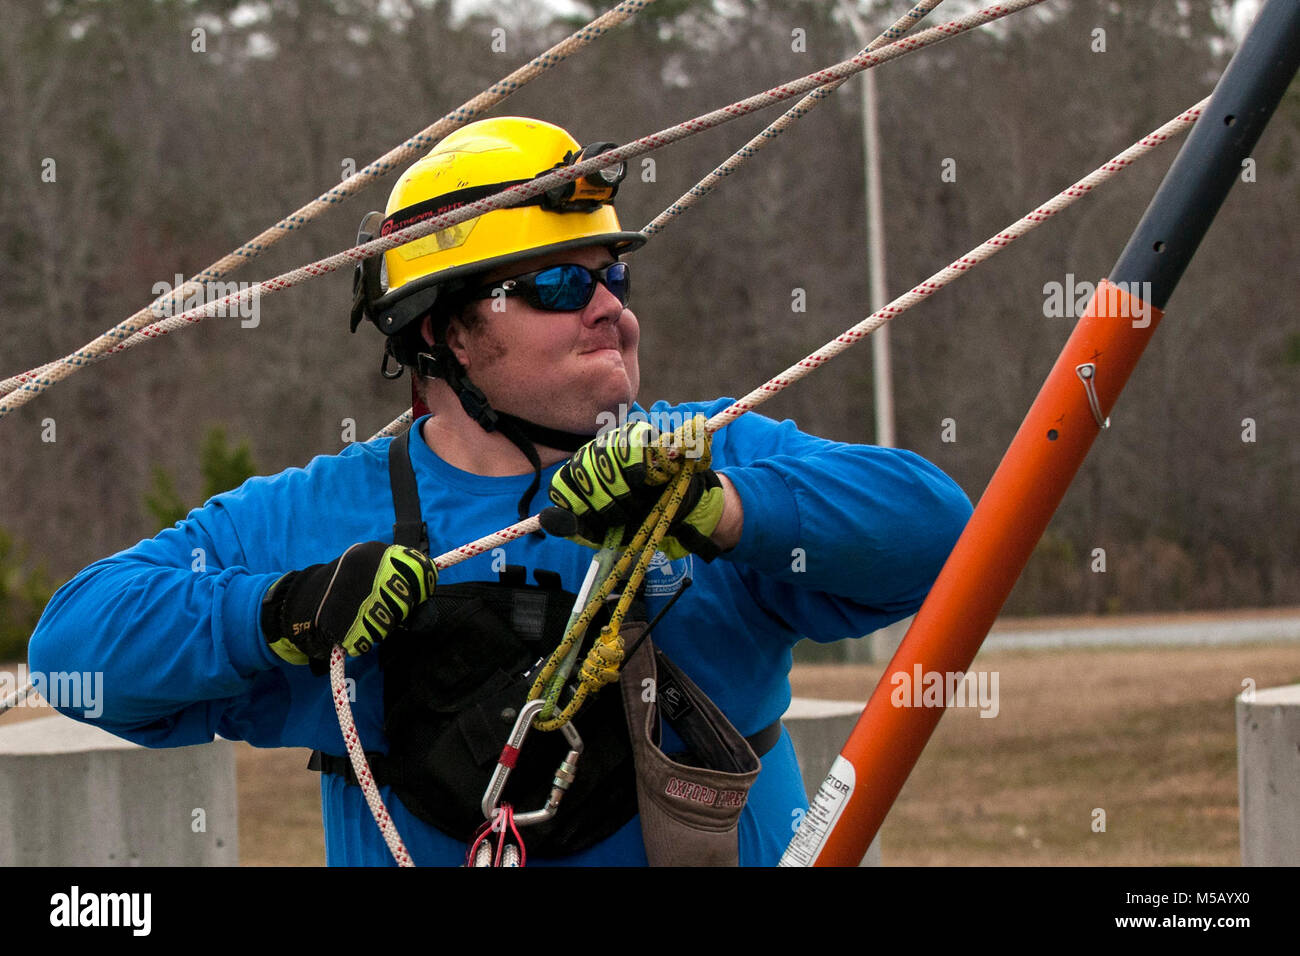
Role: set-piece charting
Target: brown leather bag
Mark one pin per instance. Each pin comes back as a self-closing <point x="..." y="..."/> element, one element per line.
<point x="690" y="804"/>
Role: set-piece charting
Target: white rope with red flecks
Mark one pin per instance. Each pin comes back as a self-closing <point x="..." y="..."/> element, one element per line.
<point x="742" y="155"/>
<point x="33" y="382"/>
<point x="959" y="267"/>
<point x="751" y="149"/>
<point x="516" y="194"/>
<point x="857" y="333"/>
<point x="339" y="689"/>
<point x="38" y="379"/>
<point x="787" y="119"/>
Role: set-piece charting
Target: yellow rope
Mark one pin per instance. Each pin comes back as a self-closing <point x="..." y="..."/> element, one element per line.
<point x="665" y="463"/>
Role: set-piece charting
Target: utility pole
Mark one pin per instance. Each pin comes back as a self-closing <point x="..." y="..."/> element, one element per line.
<point x="882" y="371"/>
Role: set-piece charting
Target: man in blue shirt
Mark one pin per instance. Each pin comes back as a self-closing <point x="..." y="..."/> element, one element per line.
<point x="516" y="328"/>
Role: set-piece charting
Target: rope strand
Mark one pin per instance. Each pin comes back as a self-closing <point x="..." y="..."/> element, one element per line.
<point x="920" y="292"/>
<point x="788" y="119"/>
<point x="981" y="253"/>
<point x="59" y="369"/>
<point x="338" y="687"/>
<point x="706" y="185"/>
<point x="516" y="194"/>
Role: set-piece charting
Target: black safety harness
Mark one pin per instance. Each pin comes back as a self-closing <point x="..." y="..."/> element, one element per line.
<point x="454" y="681"/>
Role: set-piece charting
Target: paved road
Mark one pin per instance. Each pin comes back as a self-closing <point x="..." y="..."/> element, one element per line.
<point x="1138" y="630"/>
<point x="1248" y="627"/>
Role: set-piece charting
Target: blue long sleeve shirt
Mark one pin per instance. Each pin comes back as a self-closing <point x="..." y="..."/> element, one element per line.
<point x="838" y="540"/>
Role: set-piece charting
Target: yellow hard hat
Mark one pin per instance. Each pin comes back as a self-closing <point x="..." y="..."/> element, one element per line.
<point x="470" y="164"/>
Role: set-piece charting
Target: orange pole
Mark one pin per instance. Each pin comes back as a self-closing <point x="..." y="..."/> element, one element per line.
<point x="988" y="558"/>
<point x="1047" y="451"/>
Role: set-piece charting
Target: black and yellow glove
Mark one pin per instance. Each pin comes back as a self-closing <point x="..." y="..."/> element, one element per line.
<point x="354" y="601"/>
<point x="614" y="480"/>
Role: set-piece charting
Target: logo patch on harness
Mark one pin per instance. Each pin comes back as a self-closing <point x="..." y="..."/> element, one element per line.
<point x="664" y="577"/>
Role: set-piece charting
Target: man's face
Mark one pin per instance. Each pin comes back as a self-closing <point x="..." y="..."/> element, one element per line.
<point x="558" y="369"/>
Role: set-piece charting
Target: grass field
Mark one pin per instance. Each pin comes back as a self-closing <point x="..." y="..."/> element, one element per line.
<point x="1148" y="736"/>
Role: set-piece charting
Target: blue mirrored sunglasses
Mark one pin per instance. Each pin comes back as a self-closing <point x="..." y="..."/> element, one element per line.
<point x="562" y="288"/>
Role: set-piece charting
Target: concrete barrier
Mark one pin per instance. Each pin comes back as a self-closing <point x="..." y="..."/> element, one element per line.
<point x="818" y="729"/>
<point x="74" y="795"/>
<point x="1268" y="776"/>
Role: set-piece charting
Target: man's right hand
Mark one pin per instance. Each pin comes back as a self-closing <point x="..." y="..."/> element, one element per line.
<point x="614" y="480"/>
<point x="354" y="601"/>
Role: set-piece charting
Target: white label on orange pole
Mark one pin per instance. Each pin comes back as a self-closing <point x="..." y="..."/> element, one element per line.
<point x="827" y="805"/>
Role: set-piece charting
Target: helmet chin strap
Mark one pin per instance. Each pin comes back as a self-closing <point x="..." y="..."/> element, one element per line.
<point x="523" y="434"/>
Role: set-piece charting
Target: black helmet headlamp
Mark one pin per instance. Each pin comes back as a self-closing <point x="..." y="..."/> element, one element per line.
<point x="586" y="192"/>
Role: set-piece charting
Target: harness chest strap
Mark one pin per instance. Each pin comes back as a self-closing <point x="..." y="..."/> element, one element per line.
<point x="409" y="529"/>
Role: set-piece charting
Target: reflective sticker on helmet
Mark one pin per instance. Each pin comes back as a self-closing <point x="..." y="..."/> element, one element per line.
<point x="439" y="241"/>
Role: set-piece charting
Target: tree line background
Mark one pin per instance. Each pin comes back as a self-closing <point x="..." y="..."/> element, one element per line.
<point x="165" y="156"/>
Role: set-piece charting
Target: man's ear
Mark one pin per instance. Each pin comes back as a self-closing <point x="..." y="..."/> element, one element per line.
<point x="456" y="337"/>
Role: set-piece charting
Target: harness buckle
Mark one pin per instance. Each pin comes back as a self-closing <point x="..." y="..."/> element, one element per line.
<point x="509" y="757"/>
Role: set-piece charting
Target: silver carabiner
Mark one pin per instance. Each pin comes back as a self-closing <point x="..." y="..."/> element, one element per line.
<point x="510" y="755"/>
